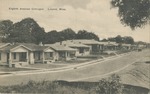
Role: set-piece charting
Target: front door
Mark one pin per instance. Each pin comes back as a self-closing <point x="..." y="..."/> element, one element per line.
<point x="22" y="56"/>
<point x="7" y="58"/>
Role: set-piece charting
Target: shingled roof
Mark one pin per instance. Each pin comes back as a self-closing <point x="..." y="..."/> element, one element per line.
<point x="58" y="47"/>
<point x="4" y="44"/>
<point x="72" y="44"/>
<point x="29" y="46"/>
<point x="85" y="41"/>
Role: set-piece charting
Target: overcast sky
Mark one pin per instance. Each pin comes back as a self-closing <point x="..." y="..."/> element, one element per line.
<point x="91" y="15"/>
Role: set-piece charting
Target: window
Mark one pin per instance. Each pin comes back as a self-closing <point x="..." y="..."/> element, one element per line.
<point x="50" y="54"/>
<point x="81" y="50"/>
<point x="14" y="54"/>
<point x="34" y="55"/>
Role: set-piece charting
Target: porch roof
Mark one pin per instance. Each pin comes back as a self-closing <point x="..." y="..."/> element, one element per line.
<point x="60" y="47"/>
<point x="10" y="47"/>
<point x="29" y="46"/>
<point x="109" y="43"/>
<point x="4" y="44"/>
<point x="85" y="41"/>
<point x="71" y="44"/>
<point x="35" y="47"/>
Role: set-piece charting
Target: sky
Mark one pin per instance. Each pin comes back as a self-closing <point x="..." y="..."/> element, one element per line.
<point x="95" y="16"/>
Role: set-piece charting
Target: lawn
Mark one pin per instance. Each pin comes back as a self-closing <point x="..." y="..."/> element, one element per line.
<point x="137" y="74"/>
<point x="58" y="64"/>
<point x="46" y="66"/>
<point x="122" y="51"/>
<point x="7" y="69"/>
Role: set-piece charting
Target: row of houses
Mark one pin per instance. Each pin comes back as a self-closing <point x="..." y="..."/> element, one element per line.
<point x="20" y="54"/>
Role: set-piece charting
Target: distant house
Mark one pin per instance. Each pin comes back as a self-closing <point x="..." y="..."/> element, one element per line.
<point x="142" y="46"/>
<point x="81" y="49"/>
<point x="16" y="55"/>
<point x="134" y="47"/>
<point x="110" y="45"/>
<point x="95" y="46"/>
<point x="126" y="46"/>
<point x="63" y="52"/>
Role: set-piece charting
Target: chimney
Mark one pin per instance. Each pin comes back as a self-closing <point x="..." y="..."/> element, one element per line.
<point x="61" y="43"/>
<point x="40" y="44"/>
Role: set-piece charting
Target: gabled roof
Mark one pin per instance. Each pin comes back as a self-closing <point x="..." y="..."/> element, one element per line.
<point x="11" y="47"/>
<point x="4" y="44"/>
<point x="34" y="47"/>
<point x="72" y="44"/>
<point x="109" y="43"/>
<point x="29" y="46"/>
<point x="85" y="41"/>
<point x="60" y="47"/>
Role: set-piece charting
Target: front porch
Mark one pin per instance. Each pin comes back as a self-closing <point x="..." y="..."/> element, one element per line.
<point x="66" y="55"/>
<point x="17" y="59"/>
<point x="44" y="57"/>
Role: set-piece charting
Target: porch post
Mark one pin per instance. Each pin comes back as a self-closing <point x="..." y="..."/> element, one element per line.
<point x="10" y="60"/>
<point x="66" y="55"/>
<point x="27" y="57"/>
<point x="43" y="57"/>
<point x="31" y="58"/>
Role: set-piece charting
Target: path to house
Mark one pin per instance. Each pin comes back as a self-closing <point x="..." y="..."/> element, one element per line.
<point x="102" y="68"/>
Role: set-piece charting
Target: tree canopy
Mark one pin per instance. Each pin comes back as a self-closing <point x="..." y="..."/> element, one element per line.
<point x="28" y="31"/>
<point x="120" y="39"/>
<point x="83" y="34"/>
<point x="111" y="85"/>
<point x="133" y="13"/>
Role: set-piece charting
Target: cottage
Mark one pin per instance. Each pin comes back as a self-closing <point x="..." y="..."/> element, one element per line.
<point x="126" y="46"/>
<point x="63" y="52"/>
<point x="95" y="46"/>
<point x="41" y="54"/>
<point x="111" y="46"/>
<point x="14" y="55"/>
<point x="17" y="55"/>
<point x="81" y="49"/>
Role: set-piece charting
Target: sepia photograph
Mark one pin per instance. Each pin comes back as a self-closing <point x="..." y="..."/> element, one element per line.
<point x="75" y="46"/>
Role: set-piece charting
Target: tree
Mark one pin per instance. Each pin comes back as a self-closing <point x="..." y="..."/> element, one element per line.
<point x="68" y="34"/>
<point x="133" y="13"/>
<point x="112" y="39"/>
<point x="118" y="39"/>
<point x="83" y="34"/>
<point x="27" y="30"/>
<point x="128" y="40"/>
<point x="4" y="27"/>
<point x="52" y="37"/>
<point x="111" y="85"/>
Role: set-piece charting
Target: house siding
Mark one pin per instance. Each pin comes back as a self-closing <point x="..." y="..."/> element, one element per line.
<point x="86" y="51"/>
<point x="3" y="58"/>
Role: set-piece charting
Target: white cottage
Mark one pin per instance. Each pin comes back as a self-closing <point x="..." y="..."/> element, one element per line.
<point x="17" y="55"/>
